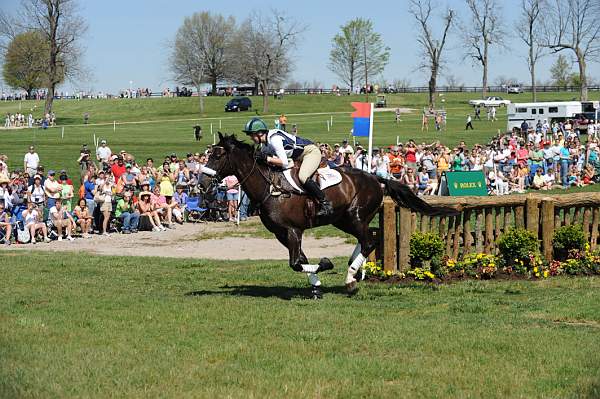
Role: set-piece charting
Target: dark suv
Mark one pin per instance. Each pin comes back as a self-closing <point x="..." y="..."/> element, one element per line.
<point x="238" y="104"/>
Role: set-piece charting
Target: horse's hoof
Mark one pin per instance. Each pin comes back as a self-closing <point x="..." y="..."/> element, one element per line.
<point x="352" y="287"/>
<point x="316" y="293"/>
<point x="360" y="274"/>
<point x="325" y="264"/>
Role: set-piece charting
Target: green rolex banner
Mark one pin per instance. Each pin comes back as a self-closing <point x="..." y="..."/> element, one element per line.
<point x="463" y="183"/>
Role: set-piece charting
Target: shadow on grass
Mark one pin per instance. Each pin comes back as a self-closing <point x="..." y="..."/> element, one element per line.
<point x="259" y="291"/>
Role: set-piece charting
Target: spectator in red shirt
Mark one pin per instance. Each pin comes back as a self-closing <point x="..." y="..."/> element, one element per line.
<point x="118" y="168"/>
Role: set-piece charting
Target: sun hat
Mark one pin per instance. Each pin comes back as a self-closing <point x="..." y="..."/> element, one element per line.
<point x="103" y="142"/>
<point x="144" y="193"/>
<point x="4" y="180"/>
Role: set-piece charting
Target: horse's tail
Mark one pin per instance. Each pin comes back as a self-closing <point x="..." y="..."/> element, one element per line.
<point x="403" y="196"/>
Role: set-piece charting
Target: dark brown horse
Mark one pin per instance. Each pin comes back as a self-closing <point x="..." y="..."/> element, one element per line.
<point x="355" y="200"/>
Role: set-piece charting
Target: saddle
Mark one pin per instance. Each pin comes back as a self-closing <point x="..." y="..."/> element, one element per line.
<point x="287" y="181"/>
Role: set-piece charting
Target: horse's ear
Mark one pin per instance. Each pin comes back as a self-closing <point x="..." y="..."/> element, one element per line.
<point x="220" y="136"/>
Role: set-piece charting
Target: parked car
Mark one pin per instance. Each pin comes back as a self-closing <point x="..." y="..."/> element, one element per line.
<point x="514" y="89"/>
<point x="490" y="102"/>
<point x="238" y="104"/>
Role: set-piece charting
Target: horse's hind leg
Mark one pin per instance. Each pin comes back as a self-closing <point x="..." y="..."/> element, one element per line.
<point x="359" y="229"/>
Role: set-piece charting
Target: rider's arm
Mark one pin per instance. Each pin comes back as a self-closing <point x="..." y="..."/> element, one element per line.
<point x="281" y="159"/>
<point x="207" y="170"/>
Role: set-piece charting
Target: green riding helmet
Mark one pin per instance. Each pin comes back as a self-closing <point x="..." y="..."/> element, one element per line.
<point x="255" y="125"/>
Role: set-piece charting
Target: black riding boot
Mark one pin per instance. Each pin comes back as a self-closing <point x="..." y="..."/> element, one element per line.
<point x="325" y="208"/>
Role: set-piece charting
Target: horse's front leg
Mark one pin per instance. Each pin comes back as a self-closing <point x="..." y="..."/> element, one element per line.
<point x="299" y="262"/>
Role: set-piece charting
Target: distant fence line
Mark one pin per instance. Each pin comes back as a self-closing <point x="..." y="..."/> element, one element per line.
<point x="340" y="91"/>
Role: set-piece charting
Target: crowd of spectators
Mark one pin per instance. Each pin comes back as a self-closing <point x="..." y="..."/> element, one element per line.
<point x="20" y="120"/>
<point x="117" y="193"/>
<point x="539" y="157"/>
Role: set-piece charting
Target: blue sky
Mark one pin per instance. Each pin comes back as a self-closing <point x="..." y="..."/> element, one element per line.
<point x="127" y="40"/>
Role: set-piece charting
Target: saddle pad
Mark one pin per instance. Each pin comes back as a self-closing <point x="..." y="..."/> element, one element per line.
<point x="327" y="177"/>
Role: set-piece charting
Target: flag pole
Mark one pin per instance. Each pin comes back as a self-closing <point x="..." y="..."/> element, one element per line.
<point x="370" y="138"/>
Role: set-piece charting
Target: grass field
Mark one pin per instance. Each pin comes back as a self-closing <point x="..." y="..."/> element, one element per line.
<point x="142" y="327"/>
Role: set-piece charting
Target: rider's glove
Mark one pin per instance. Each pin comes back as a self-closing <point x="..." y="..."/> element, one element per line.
<point x="261" y="157"/>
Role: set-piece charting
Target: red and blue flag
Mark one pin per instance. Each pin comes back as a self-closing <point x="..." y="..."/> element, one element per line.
<point x="362" y="119"/>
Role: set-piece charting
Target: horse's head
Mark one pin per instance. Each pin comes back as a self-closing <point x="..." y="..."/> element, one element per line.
<point x="229" y="155"/>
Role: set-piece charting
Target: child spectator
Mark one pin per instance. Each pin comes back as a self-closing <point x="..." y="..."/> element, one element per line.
<point x="34" y="223"/>
<point x="83" y="217"/>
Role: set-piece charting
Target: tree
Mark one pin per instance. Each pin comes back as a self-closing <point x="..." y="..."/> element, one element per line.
<point x="529" y="31"/>
<point x="24" y="66"/>
<point x="357" y="50"/>
<point x="61" y="26"/>
<point x="561" y="71"/>
<point x="210" y="36"/>
<point x="431" y="48"/>
<point x="573" y="25"/>
<point x="484" y="31"/>
<point x="187" y="62"/>
<point x="263" y="48"/>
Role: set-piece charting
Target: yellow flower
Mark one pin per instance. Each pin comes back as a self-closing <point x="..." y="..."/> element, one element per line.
<point x="546" y="273"/>
<point x="535" y="269"/>
<point x="537" y="274"/>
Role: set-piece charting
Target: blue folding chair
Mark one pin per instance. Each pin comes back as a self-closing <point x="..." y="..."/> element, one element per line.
<point x="193" y="211"/>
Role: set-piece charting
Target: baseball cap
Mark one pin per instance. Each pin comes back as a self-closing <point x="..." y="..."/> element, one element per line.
<point x="128" y="165"/>
<point x="51" y="172"/>
<point x="103" y="142"/>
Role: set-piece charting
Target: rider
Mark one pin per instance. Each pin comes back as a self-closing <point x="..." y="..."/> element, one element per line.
<point x="285" y="146"/>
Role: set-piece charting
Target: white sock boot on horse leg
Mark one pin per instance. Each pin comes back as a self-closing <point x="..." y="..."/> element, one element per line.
<point x="353" y="268"/>
<point x="313" y="279"/>
<point x="355" y="253"/>
<point x="310" y="268"/>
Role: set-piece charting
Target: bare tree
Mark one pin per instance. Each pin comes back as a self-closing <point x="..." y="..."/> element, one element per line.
<point x="453" y="81"/>
<point x="61" y="25"/>
<point x="211" y="37"/>
<point x="187" y="62"/>
<point x="264" y="47"/>
<point x="528" y="30"/>
<point x="431" y="47"/>
<point x="483" y="30"/>
<point x="573" y="25"/>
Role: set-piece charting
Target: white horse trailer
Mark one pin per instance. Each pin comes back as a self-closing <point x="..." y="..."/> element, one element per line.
<point x="532" y="112"/>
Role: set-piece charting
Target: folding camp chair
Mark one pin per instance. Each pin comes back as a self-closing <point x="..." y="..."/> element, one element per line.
<point x="193" y="211"/>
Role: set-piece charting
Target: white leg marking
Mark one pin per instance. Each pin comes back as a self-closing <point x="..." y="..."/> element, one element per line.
<point x="313" y="279"/>
<point x="356" y="264"/>
<point x="310" y="268"/>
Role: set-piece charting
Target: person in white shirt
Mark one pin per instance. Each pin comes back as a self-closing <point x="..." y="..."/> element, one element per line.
<point x="346" y="148"/>
<point x="31" y="161"/>
<point x="103" y="153"/>
<point x="52" y="189"/>
<point x="33" y="222"/>
<point x="62" y="219"/>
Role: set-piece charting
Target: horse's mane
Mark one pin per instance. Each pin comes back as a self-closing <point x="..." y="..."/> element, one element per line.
<point x="234" y="142"/>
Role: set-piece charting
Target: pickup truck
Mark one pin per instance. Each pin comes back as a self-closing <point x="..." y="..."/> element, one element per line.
<point x="490" y="102"/>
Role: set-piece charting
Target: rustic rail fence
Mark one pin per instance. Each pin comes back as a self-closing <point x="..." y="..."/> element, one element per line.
<point x="481" y="221"/>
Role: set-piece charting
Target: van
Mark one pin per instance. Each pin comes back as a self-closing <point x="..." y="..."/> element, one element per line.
<point x="238" y="104"/>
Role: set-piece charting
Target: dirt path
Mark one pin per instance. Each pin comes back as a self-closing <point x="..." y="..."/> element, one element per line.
<point x="185" y="242"/>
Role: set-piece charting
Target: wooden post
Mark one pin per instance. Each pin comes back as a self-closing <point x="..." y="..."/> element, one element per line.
<point x="586" y="223"/>
<point x="389" y="235"/>
<point x="507" y="218"/>
<point x="413" y="222"/>
<point x="457" y="234"/>
<point x="479" y="231"/>
<point x="567" y="216"/>
<point x="404" y="221"/>
<point x="450" y="235"/>
<point x="467" y="232"/>
<point x="489" y="230"/>
<point x="498" y="222"/>
<point x="424" y="224"/>
<point x="532" y="215"/>
<point x="595" y="221"/>
<point x="519" y="217"/>
<point x="442" y="228"/>
<point x="547" y="227"/>
<point x="576" y="215"/>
